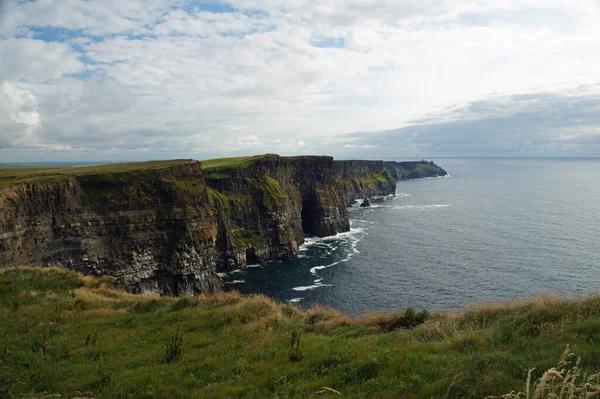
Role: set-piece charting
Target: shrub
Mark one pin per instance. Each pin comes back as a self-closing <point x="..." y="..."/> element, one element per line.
<point x="173" y="348"/>
<point x="408" y="319"/>
<point x="295" y="354"/>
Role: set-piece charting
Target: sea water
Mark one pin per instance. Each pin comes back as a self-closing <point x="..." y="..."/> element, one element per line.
<point x="495" y="229"/>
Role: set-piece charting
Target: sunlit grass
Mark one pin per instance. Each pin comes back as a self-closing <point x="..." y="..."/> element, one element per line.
<point x="61" y="332"/>
<point x="233" y="162"/>
<point x="11" y="175"/>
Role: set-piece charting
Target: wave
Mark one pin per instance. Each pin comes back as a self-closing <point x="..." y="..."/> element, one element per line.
<point x="314" y="269"/>
<point x="235" y="282"/>
<point x="229" y="273"/>
<point x="381" y="198"/>
<point x="311" y="287"/>
<point x="353" y="221"/>
<point x="256" y="266"/>
<point x="428" y="178"/>
<point x="330" y="242"/>
<point x="296" y="300"/>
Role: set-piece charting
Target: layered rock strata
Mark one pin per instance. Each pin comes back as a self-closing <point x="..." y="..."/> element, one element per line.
<point x="169" y="230"/>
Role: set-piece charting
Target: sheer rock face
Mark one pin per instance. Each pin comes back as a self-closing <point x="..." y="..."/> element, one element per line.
<point x="153" y="230"/>
<point x="272" y="203"/>
<point x="363" y="179"/>
<point x="413" y="169"/>
<point x="168" y="231"/>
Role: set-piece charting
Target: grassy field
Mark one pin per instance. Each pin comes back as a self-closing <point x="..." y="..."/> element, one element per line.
<point x="11" y="175"/>
<point x="14" y="175"/>
<point x="234" y="162"/>
<point x="63" y="334"/>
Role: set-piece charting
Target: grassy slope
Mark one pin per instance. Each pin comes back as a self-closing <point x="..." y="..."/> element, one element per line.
<point x="234" y="162"/>
<point x="12" y="176"/>
<point x="418" y="169"/>
<point x="62" y="333"/>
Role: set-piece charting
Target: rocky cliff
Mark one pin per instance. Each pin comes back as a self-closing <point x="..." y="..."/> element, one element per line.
<point x="266" y="206"/>
<point x="413" y="169"/>
<point x="169" y="227"/>
<point x="363" y="179"/>
<point x="152" y="229"/>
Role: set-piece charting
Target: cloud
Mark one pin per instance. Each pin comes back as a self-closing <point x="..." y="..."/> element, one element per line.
<point x="364" y="146"/>
<point x="36" y="60"/>
<point x="19" y="116"/>
<point x="290" y="146"/>
<point x="535" y="124"/>
<point x="90" y="17"/>
<point x="156" y="78"/>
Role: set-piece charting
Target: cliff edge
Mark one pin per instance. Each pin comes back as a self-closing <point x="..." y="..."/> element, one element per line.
<point x="168" y="227"/>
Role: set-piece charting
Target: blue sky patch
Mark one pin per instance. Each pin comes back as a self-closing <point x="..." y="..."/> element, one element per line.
<point x="329" y="42"/>
<point x="215" y="7"/>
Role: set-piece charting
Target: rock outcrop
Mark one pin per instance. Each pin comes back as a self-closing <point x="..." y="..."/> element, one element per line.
<point x="169" y="230"/>
<point x="363" y="179"/>
<point x="154" y="230"/>
<point x="266" y="207"/>
<point x="413" y="169"/>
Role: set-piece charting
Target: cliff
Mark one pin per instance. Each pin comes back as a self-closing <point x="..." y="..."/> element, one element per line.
<point x="268" y="203"/>
<point x="413" y="169"/>
<point x="363" y="179"/>
<point x="167" y="227"/>
<point x="153" y="229"/>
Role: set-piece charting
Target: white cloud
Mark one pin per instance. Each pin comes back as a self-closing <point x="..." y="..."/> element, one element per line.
<point x="162" y="75"/>
<point x="19" y="115"/>
<point x="364" y="146"/>
<point x="36" y="60"/>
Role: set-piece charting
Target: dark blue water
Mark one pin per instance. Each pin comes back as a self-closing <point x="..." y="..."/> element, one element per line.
<point x="495" y="229"/>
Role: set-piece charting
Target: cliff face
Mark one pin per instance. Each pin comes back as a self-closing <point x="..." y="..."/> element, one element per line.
<point x="413" y="169"/>
<point x="153" y="230"/>
<point x="268" y="206"/>
<point x="168" y="230"/>
<point x="362" y="179"/>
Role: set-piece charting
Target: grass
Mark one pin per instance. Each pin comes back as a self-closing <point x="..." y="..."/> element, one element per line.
<point x="417" y="169"/>
<point x="243" y="238"/>
<point x="61" y="333"/>
<point x="226" y="163"/>
<point x="12" y="176"/>
<point x="375" y="179"/>
<point x="270" y="190"/>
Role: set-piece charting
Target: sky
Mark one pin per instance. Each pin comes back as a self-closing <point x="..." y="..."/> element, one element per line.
<point x="86" y="80"/>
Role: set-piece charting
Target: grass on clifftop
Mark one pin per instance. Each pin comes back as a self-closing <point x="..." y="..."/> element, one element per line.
<point x="234" y="162"/>
<point x="11" y="176"/>
<point x="61" y="333"/>
<point x="418" y="169"/>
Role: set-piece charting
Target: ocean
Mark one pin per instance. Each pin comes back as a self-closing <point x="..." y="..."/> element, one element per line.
<point x="495" y="229"/>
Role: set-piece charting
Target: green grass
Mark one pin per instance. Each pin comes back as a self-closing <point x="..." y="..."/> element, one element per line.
<point x="418" y="169"/>
<point x="217" y="199"/>
<point x="243" y="238"/>
<point x="62" y="333"/>
<point x="272" y="193"/>
<point x="376" y="179"/>
<point x="234" y="162"/>
<point x="12" y="176"/>
<point x="187" y="186"/>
